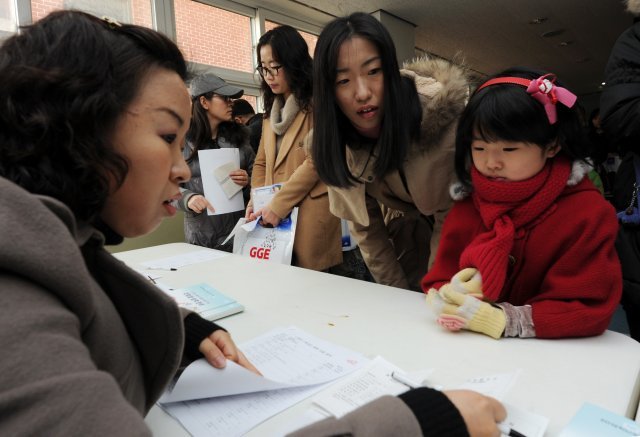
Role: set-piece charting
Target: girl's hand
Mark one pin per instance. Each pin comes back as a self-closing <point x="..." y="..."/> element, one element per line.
<point x="240" y="177"/>
<point x="218" y="347"/>
<point x="199" y="204"/>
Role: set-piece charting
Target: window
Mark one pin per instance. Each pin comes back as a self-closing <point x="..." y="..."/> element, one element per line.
<point x="213" y="36"/>
<point x="125" y="11"/>
<point x="7" y="18"/>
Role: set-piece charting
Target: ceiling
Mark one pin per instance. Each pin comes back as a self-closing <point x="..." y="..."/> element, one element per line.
<point x="491" y="35"/>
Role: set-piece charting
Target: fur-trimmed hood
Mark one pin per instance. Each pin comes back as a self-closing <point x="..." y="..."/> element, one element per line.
<point x="579" y="169"/>
<point x="633" y="6"/>
<point x="443" y="88"/>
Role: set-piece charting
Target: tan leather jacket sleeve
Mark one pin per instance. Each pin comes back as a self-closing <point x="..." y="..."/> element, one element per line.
<point x="295" y="189"/>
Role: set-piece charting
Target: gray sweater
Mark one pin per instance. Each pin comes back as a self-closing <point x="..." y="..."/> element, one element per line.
<point x="87" y="344"/>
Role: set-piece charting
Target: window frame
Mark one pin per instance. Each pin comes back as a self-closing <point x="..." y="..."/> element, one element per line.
<point x="258" y="11"/>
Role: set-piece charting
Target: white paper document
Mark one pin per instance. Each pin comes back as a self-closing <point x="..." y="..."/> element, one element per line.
<point x="496" y="386"/>
<point x="222" y="176"/>
<point x="232" y="416"/>
<point x="185" y="259"/>
<point x="215" y="190"/>
<point x="371" y="382"/>
<point x="200" y="380"/>
<point x="286" y="357"/>
<point x="379" y="377"/>
<point x="244" y="225"/>
<point x="261" y="196"/>
<point x="524" y="422"/>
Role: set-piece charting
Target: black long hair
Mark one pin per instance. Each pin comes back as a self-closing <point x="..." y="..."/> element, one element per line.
<point x="507" y="112"/>
<point x="199" y="133"/>
<point x="401" y="107"/>
<point x="66" y="81"/>
<point x="291" y="51"/>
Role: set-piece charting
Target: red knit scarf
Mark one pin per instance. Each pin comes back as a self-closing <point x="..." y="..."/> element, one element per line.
<point x="505" y="207"/>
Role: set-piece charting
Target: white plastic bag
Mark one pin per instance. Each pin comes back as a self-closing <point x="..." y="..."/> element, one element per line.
<point x="267" y="244"/>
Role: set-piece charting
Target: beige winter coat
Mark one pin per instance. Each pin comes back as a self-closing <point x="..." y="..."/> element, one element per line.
<point x="317" y="243"/>
<point x="388" y="220"/>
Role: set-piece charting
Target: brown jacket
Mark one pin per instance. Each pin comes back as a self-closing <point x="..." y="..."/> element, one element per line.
<point x="387" y="219"/>
<point x="317" y="244"/>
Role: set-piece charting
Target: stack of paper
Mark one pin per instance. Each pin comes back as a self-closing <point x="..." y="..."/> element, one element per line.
<point x="380" y="378"/>
<point x="294" y="364"/>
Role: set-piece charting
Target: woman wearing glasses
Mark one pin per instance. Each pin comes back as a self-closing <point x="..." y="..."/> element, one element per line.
<point x="212" y="127"/>
<point x="285" y="68"/>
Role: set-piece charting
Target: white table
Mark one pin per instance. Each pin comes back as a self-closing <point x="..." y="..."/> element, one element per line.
<point x="557" y="377"/>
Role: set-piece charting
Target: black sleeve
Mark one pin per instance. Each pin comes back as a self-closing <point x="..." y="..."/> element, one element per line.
<point x="620" y="98"/>
<point x="435" y="412"/>
<point x="196" y="329"/>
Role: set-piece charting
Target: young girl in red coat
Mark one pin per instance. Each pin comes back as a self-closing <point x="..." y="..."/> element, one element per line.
<point x="528" y="248"/>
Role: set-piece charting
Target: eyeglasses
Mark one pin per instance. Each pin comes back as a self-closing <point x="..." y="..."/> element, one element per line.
<point x="273" y="71"/>
<point x="227" y="99"/>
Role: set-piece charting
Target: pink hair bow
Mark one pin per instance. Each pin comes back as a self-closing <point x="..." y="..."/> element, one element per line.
<point x="545" y="91"/>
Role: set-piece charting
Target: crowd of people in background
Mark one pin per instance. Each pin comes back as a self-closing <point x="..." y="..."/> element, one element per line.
<point x="449" y="187"/>
<point x="381" y="147"/>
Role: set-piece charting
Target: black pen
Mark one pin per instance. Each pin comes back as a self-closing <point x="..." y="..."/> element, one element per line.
<point x="169" y="269"/>
<point x="504" y="429"/>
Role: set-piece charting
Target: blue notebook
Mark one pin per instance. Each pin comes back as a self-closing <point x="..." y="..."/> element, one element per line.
<point x="205" y="300"/>
<point x="594" y="421"/>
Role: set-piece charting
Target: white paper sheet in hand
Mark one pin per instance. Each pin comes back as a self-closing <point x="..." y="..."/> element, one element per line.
<point x="210" y="160"/>
<point x="231" y="380"/>
<point x="288" y="355"/>
<point x="361" y="387"/>
<point x="221" y="173"/>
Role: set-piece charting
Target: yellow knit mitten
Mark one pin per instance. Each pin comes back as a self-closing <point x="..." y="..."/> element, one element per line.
<point x="468" y="281"/>
<point x="461" y="311"/>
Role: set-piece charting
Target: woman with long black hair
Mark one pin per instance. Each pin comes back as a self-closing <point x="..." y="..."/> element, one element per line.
<point x="385" y="137"/>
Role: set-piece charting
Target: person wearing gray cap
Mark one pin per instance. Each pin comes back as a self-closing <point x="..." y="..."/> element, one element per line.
<point x="212" y="127"/>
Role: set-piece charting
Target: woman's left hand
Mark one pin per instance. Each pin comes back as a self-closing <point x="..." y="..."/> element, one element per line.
<point x="218" y="347"/>
<point x="240" y="177"/>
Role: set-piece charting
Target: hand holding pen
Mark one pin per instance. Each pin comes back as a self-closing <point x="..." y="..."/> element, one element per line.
<point x="483" y="415"/>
